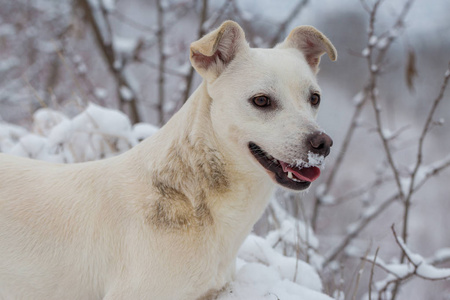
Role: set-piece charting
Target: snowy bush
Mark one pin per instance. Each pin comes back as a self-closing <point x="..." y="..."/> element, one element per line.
<point x="95" y="133"/>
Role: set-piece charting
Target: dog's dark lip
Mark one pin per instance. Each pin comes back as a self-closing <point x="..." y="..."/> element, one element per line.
<point x="272" y="165"/>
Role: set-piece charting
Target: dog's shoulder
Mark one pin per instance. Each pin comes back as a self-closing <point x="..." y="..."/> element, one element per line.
<point x="191" y="174"/>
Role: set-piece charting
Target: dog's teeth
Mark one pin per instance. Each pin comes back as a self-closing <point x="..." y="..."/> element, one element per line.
<point x="275" y="161"/>
<point x="290" y="175"/>
<point x="269" y="156"/>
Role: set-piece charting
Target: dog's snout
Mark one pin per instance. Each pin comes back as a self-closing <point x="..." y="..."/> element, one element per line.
<point x="319" y="143"/>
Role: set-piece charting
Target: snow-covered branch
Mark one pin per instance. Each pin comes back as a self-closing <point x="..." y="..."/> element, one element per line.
<point x="416" y="266"/>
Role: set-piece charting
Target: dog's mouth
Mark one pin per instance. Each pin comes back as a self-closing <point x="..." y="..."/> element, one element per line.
<point x="287" y="175"/>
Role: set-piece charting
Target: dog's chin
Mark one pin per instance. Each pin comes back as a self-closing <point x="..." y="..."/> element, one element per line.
<point x="288" y="176"/>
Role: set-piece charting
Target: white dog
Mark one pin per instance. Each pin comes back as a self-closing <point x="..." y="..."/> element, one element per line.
<point x="166" y="219"/>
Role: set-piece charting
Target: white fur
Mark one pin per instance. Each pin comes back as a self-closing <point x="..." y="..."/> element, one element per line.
<point x="165" y="219"/>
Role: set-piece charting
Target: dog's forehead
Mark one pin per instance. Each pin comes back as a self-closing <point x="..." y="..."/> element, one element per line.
<point x="283" y="68"/>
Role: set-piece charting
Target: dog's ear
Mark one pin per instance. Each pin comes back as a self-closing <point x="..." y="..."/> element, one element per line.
<point x="312" y="43"/>
<point x="212" y="53"/>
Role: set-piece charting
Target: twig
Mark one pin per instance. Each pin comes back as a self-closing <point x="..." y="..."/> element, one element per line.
<point x="98" y="20"/>
<point x="33" y="90"/>
<point x="162" y="62"/>
<point x="400" y="279"/>
<point x="353" y="123"/>
<point x="361" y="224"/>
<point x="374" y="64"/>
<point x="358" y="277"/>
<point x="372" y="272"/>
<point x="129" y="21"/>
<point x="282" y="27"/>
<point x="201" y="32"/>
<point x="341" y="154"/>
<point x="401" y="244"/>
<point x="425" y="130"/>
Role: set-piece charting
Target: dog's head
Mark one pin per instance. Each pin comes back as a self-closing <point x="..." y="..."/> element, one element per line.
<point x="265" y="101"/>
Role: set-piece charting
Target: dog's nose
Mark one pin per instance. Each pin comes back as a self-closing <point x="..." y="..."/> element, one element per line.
<point x="319" y="143"/>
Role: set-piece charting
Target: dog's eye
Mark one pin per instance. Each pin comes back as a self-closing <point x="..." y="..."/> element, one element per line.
<point x="315" y="99"/>
<point x="261" y="101"/>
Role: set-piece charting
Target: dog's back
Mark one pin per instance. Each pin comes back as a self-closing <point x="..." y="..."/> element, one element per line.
<point x="47" y="241"/>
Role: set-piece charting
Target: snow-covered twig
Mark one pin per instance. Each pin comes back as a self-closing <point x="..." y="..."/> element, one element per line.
<point x="374" y="62"/>
<point x="425" y="130"/>
<point x="416" y="266"/>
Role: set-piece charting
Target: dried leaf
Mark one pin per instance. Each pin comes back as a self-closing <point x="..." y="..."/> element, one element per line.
<point x="411" y="71"/>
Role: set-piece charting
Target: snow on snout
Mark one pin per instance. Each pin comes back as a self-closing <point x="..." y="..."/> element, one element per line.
<point x="314" y="160"/>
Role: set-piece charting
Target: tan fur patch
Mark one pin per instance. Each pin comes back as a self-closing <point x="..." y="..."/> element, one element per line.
<point x="192" y="173"/>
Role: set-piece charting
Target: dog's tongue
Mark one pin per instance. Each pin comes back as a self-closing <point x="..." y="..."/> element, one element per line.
<point x="305" y="174"/>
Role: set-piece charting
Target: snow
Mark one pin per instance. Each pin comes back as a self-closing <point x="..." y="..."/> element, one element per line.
<point x="442" y="254"/>
<point x="125" y="45"/>
<point x="327" y="199"/>
<point x="291" y="230"/>
<point x="95" y="133"/>
<point x="314" y="160"/>
<point x="126" y="93"/>
<point x="382" y="43"/>
<point x="109" y="5"/>
<point x="7" y="64"/>
<point x="33" y="146"/>
<point x="100" y="93"/>
<point x="373" y="40"/>
<point x="431" y="272"/>
<point x="44" y="119"/>
<point x="365" y="52"/>
<point x="387" y="134"/>
<point x="10" y="136"/>
<point x="49" y="46"/>
<point x="142" y="131"/>
<point x="415" y="264"/>
<point x="257" y="249"/>
<point x="423" y="268"/>
<point x="255" y="281"/>
<point x="82" y="68"/>
<point x="7" y="29"/>
<point x="369" y="211"/>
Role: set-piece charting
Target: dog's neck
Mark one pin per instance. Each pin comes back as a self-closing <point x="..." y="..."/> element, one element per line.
<point x="193" y="172"/>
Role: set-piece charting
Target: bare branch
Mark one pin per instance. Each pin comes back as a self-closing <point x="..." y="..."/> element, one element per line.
<point x="425" y="130"/>
<point x="282" y="27"/>
<point x="103" y="35"/>
<point x="162" y="62"/>
<point x="357" y="227"/>
<point x="371" y="273"/>
<point x="341" y="154"/>
<point x="201" y="32"/>
<point x="132" y="23"/>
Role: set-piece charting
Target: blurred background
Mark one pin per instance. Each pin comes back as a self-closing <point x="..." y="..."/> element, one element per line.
<point x="133" y="56"/>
